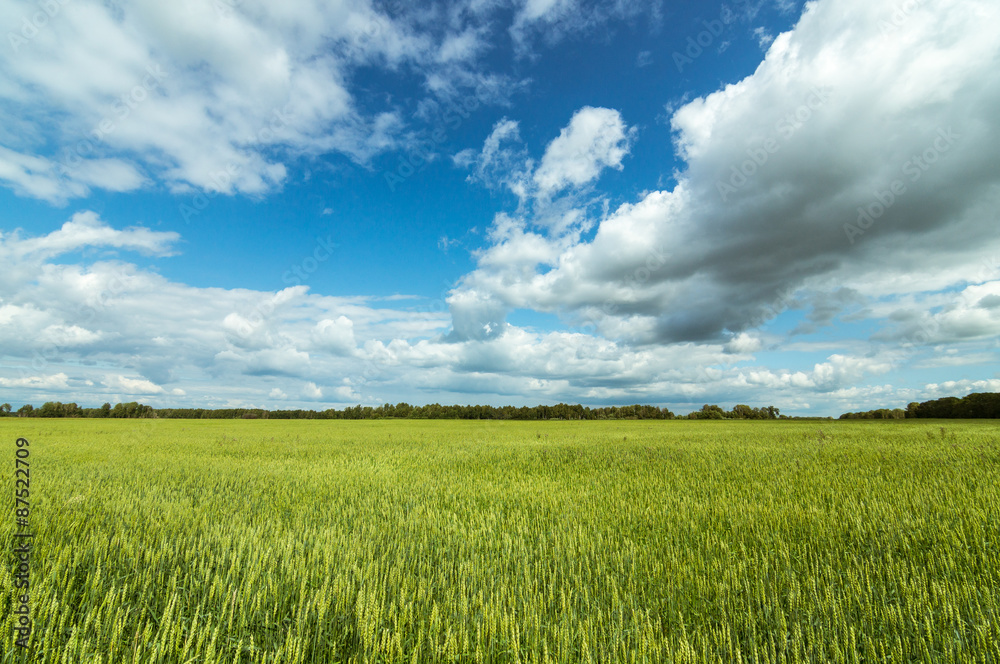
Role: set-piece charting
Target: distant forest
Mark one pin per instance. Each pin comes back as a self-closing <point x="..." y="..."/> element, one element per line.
<point x="401" y="411"/>
<point x="974" y="406"/>
<point x="979" y="405"/>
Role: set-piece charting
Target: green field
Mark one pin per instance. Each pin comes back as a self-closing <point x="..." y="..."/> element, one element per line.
<point x="435" y="541"/>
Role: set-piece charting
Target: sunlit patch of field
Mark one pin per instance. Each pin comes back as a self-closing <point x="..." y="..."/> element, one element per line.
<point x="435" y="541"/>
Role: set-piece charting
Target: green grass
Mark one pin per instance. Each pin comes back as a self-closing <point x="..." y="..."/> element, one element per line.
<point x="432" y="541"/>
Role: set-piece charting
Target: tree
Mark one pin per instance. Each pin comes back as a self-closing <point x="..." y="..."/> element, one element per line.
<point x="50" y="409"/>
<point x="742" y="412"/>
<point x="708" y="412"/>
<point x="4" y="410"/>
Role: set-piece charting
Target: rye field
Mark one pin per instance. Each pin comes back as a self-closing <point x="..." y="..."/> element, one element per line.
<point x="456" y="541"/>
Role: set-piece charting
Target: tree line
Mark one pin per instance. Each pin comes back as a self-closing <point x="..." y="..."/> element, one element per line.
<point x="978" y="405"/>
<point x="739" y="412"/>
<point x="59" y="409"/>
<point x="403" y="410"/>
<point x="974" y="406"/>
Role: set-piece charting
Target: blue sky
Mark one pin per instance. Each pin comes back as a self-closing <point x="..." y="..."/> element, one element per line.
<point x="317" y="204"/>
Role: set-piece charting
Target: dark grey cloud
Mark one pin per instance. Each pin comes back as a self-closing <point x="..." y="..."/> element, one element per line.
<point x="808" y="174"/>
